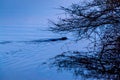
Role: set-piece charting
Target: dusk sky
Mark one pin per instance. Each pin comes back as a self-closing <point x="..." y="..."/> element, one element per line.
<point x="30" y="12"/>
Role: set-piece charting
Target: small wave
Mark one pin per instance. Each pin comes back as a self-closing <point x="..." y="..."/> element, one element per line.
<point x="5" y="42"/>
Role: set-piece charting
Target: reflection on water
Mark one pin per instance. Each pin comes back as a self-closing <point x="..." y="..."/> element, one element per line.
<point x="88" y="66"/>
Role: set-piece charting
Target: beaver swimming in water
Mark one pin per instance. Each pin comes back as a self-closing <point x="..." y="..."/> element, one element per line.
<point x="63" y="38"/>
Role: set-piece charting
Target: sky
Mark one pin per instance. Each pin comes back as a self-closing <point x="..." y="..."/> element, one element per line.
<point x="30" y="12"/>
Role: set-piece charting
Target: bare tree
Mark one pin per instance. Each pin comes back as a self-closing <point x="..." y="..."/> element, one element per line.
<point x="86" y="19"/>
<point x="98" y="17"/>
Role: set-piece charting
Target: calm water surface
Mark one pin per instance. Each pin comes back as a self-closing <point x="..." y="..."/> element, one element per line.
<point x="23" y="61"/>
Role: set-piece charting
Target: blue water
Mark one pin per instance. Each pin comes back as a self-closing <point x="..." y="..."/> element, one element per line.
<point x="24" y="33"/>
<point x="23" y="61"/>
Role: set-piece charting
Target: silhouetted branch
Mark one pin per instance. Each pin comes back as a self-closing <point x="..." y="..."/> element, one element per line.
<point x="98" y="21"/>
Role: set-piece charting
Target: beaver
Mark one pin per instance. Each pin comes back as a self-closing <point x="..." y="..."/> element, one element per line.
<point x="62" y="38"/>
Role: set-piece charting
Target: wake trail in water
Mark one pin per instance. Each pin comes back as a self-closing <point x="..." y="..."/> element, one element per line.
<point x="36" y="41"/>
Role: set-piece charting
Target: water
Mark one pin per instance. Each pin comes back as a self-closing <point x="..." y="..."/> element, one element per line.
<point x="23" y="61"/>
